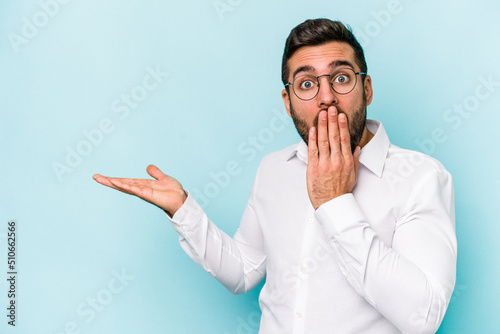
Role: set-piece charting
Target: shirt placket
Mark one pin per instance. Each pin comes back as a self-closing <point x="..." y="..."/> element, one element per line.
<point x="303" y="268"/>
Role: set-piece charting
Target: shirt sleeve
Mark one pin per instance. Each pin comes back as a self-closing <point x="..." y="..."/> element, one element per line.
<point x="238" y="262"/>
<point x="410" y="282"/>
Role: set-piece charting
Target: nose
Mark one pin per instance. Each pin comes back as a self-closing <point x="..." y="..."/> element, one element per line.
<point x="326" y="94"/>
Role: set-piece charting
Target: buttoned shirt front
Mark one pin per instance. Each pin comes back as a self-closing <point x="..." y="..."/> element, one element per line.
<point x="381" y="259"/>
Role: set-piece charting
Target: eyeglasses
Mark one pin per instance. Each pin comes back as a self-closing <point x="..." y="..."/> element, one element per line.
<point x="342" y="80"/>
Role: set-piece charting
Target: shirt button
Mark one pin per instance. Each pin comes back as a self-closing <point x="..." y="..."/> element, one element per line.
<point x="304" y="267"/>
<point x="346" y="272"/>
<point x="310" y="220"/>
<point x="298" y="314"/>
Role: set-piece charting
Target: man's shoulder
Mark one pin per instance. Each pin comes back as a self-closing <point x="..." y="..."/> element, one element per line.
<point x="409" y="161"/>
<point x="276" y="164"/>
<point x="280" y="156"/>
<point x="399" y="159"/>
<point x="278" y="170"/>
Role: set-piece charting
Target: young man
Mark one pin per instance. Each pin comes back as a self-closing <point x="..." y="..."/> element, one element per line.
<point x="348" y="239"/>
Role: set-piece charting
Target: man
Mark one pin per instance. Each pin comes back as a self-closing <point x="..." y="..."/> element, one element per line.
<point x="353" y="234"/>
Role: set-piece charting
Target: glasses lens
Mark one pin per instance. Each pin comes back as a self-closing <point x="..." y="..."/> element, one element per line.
<point x="343" y="80"/>
<point x="305" y="87"/>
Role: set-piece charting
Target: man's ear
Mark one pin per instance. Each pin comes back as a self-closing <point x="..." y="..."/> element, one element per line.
<point x="286" y="101"/>
<point x="368" y="89"/>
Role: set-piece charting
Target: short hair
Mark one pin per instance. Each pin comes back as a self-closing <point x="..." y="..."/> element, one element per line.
<point x="317" y="32"/>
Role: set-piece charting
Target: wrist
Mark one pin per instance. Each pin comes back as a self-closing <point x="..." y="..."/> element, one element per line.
<point x="316" y="204"/>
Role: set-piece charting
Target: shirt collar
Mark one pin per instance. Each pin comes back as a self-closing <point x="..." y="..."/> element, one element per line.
<point x="299" y="150"/>
<point x="372" y="155"/>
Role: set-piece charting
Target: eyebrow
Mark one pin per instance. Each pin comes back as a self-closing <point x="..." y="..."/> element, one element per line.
<point x="338" y="63"/>
<point x="333" y="64"/>
<point x="305" y="68"/>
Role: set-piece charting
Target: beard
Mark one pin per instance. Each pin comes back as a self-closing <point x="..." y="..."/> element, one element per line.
<point x="356" y="125"/>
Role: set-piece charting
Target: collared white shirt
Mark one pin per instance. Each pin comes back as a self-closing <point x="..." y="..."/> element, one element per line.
<point x="379" y="260"/>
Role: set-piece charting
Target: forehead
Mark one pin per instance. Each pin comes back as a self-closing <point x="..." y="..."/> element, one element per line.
<point x="321" y="56"/>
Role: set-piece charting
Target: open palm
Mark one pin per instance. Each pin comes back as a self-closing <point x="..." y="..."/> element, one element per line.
<point x="165" y="191"/>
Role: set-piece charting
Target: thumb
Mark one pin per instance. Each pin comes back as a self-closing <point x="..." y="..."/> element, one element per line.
<point x="155" y="172"/>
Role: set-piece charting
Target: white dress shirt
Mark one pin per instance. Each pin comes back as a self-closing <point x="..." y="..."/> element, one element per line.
<point x="381" y="259"/>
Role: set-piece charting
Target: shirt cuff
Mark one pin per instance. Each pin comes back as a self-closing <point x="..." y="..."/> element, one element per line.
<point x="187" y="216"/>
<point x="338" y="214"/>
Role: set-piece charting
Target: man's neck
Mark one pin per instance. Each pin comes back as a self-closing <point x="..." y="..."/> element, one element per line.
<point x="367" y="136"/>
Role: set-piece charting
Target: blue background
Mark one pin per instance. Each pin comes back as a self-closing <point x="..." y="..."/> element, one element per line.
<point x="220" y="87"/>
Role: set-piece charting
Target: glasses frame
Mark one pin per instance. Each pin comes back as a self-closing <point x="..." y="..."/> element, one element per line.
<point x="329" y="80"/>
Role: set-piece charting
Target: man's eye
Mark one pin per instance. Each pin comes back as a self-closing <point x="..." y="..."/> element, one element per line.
<point x="307" y="84"/>
<point x="341" y="79"/>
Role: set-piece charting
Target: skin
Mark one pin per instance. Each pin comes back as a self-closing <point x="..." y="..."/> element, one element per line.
<point x="165" y="192"/>
<point x="332" y="165"/>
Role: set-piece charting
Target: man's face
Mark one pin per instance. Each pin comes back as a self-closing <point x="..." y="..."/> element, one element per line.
<point x="320" y="60"/>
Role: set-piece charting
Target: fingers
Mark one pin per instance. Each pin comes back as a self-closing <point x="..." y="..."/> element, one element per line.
<point x="155" y="172"/>
<point x="345" y="138"/>
<point x="126" y="186"/>
<point x="122" y="184"/>
<point x="149" y="190"/>
<point x="323" y="140"/>
<point x="333" y="130"/>
<point x="103" y="180"/>
<point x="331" y="137"/>
<point x="312" y="147"/>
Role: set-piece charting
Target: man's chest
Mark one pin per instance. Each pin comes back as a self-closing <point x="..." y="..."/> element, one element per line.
<point x="286" y="216"/>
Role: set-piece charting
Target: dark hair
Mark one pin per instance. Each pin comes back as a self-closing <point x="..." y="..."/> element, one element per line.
<point x="317" y="32"/>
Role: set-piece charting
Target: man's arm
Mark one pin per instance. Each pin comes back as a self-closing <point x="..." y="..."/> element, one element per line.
<point x="411" y="282"/>
<point x="238" y="262"/>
